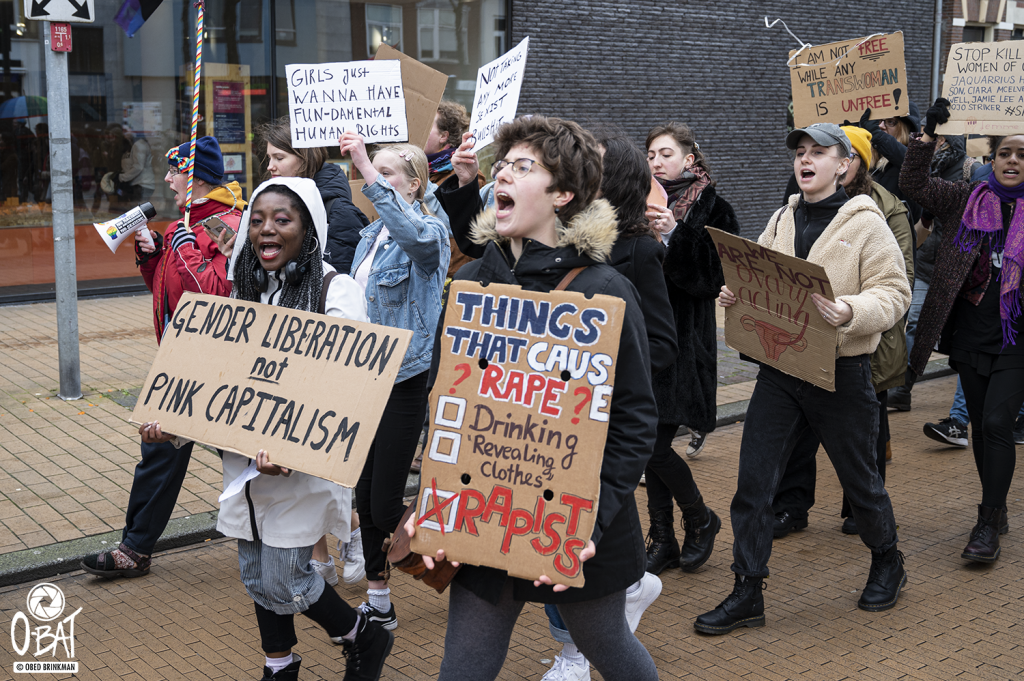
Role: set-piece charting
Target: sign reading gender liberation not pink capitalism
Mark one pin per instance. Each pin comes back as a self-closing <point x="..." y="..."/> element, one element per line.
<point x="774" y="319"/>
<point x="519" y="415"/>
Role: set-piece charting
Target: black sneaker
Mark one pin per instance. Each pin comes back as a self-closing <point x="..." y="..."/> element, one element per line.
<point x="786" y="522"/>
<point x="696" y="446"/>
<point x="366" y="654"/>
<point x="289" y="673"/>
<point x="388" y="620"/>
<point x="948" y="431"/>
<point x="1018" y="430"/>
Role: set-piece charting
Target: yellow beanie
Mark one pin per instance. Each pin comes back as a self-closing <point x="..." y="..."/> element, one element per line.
<point x="860" y="139"/>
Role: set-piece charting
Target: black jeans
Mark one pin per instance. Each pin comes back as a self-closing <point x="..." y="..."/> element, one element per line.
<point x="993" y="403"/>
<point x="782" y="410"/>
<point x="158" y="478"/>
<point x="796" y="489"/>
<point x="381" y="486"/>
<point x="668" y="475"/>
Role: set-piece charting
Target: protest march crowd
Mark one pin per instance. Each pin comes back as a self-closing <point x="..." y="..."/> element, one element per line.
<point x="923" y="248"/>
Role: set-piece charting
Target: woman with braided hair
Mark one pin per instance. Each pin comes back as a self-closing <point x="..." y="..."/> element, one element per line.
<point x="282" y="513"/>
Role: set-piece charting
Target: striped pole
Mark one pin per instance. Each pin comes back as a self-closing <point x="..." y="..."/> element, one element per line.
<point x="195" y="111"/>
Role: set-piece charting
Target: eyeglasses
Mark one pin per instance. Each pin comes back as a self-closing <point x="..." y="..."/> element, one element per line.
<point x="174" y="170"/>
<point x="890" y="122"/>
<point x="520" y="167"/>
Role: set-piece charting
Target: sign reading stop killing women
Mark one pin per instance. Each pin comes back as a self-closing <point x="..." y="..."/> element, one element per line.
<point x="519" y="415"/>
<point x="839" y="81"/>
<point x="497" y="93"/>
<point x="366" y="97"/>
<point x="984" y="84"/>
<point x="308" y="388"/>
<point x="774" y="319"/>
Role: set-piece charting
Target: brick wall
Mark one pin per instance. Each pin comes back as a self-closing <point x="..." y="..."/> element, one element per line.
<point x="712" y="65"/>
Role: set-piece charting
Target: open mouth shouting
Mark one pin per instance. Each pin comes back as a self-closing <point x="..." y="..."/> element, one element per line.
<point x="269" y="250"/>
<point x="504" y="204"/>
<point x="806" y="175"/>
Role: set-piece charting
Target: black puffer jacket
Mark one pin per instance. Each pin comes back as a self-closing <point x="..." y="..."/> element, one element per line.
<point x="686" y="390"/>
<point x="894" y="152"/>
<point x="344" y="220"/>
<point x="639" y="258"/>
<point x="620" y="559"/>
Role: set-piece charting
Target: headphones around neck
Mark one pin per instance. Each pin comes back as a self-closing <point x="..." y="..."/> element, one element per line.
<point x="294" y="270"/>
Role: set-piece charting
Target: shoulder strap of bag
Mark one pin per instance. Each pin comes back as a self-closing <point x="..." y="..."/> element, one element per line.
<point x="327" y="207"/>
<point x="322" y="307"/>
<point x="567" y="279"/>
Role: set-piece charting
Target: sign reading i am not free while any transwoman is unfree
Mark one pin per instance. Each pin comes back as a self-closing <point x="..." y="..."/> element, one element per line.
<point x="519" y="416"/>
<point x="240" y="376"/>
<point x="839" y="81"/>
<point x="326" y="100"/>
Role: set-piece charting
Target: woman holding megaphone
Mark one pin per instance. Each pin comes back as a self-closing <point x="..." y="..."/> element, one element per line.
<point x="973" y="308"/>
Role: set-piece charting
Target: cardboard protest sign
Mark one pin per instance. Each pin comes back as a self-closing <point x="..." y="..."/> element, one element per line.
<point x="497" y="93"/>
<point x="774" y="319"/>
<point x="325" y="100"/>
<point x="838" y="81"/>
<point x="360" y="201"/>
<point x="984" y="83"/>
<point x="424" y="88"/>
<point x="308" y="388"/>
<point x="519" y="416"/>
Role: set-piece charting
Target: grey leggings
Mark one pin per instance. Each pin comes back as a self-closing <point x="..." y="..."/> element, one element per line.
<point x="476" y="643"/>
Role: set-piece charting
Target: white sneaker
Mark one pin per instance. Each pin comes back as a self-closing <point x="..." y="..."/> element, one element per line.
<point x="355" y="563"/>
<point x="637" y="602"/>
<point x="326" y="570"/>
<point x="565" y="669"/>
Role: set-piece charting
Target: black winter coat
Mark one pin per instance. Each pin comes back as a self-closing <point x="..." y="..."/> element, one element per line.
<point x="620" y="559"/>
<point x="686" y="390"/>
<point x="636" y="257"/>
<point x="894" y="152"/>
<point x="344" y="220"/>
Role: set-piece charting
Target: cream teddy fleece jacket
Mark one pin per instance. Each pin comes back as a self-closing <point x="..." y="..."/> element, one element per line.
<point x="864" y="264"/>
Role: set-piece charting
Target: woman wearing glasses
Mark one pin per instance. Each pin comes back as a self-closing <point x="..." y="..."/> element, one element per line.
<point x="686" y="390"/>
<point x="889" y="139"/>
<point x="547" y="222"/>
<point x="401" y="261"/>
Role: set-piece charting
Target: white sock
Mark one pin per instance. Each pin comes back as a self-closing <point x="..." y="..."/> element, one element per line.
<point x="380" y="599"/>
<point x="276" y="664"/>
<point x="573" y="654"/>
<point x="633" y="588"/>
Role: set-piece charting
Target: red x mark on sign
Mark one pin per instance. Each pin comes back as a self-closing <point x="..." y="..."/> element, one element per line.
<point x="437" y="508"/>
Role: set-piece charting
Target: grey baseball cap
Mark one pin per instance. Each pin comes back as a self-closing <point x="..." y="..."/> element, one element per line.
<point x="825" y="134"/>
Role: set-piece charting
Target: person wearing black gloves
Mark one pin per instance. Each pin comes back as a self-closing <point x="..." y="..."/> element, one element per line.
<point x="889" y="138"/>
<point x="973" y="308"/>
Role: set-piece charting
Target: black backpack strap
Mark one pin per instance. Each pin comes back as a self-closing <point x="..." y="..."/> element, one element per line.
<point x="327" y="206"/>
<point x="322" y="307"/>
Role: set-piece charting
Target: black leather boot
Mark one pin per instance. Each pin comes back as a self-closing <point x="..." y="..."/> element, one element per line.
<point x="701" y="525"/>
<point x="662" y="547"/>
<point x="744" y="607"/>
<point x="885" y="580"/>
<point x="984" y="544"/>
<point x="1004" y="523"/>
<point x="289" y="673"/>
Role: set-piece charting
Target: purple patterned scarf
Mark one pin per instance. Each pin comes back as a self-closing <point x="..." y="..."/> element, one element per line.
<point x="983" y="216"/>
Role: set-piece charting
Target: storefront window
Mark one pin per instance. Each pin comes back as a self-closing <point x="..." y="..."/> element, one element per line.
<point x="130" y="101"/>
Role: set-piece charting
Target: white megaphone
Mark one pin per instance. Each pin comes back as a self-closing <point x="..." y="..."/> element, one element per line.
<point x="115" y="231"/>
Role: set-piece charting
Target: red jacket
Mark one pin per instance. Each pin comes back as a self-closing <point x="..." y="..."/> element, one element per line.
<point x="198" y="267"/>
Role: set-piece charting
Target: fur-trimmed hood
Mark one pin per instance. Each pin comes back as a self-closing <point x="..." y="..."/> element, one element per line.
<point x="592" y="232"/>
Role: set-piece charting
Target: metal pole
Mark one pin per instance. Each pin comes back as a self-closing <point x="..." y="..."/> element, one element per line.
<point x="59" y="118"/>
<point x="937" y="52"/>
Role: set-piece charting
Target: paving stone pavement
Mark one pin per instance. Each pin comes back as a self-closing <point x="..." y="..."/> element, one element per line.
<point x="191" y="617"/>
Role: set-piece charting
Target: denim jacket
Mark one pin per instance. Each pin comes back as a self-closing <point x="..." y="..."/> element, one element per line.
<point x="408" y="272"/>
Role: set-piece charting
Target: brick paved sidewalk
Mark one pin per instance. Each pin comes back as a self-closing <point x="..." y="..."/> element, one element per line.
<point x="190" y="619"/>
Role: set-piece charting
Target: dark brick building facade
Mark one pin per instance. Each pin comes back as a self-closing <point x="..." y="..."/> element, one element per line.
<point x="712" y="65"/>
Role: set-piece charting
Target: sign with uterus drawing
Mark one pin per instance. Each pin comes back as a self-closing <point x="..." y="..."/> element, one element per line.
<point x="774" y="319"/>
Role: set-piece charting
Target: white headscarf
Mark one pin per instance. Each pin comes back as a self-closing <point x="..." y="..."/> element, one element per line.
<point x="310" y="195"/>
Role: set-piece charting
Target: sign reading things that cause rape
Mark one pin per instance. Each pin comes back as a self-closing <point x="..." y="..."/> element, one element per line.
<point x="325" y="100"/>
<point x="774" y="319"/>
<point x="984" y="83"/>
<point x="838" y="81"/>
<point x="497" y="93"/>
<point x="308" y="388"/>
<point x="519" y="415"/>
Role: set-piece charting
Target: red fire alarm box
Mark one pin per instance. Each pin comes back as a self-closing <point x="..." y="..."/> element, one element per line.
<point x="60" y="37"/>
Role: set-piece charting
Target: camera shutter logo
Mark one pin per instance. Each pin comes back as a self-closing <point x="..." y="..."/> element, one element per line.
<point x="45" y="602"/>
